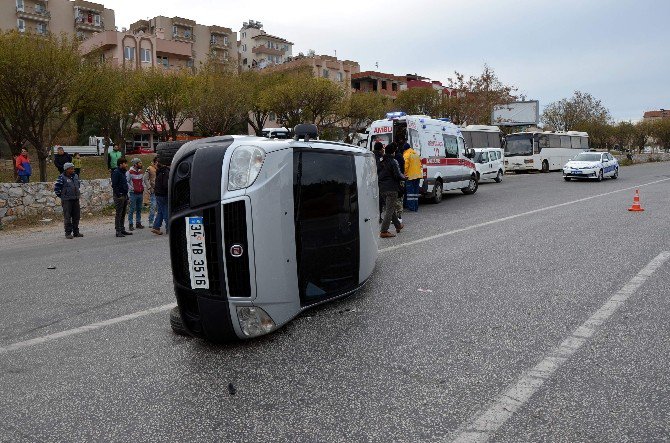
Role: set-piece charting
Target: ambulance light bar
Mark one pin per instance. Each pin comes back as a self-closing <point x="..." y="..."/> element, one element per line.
<point x="397" y="114"/>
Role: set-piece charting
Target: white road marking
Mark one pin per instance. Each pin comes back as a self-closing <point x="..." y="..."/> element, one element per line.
<point x="486" y="423"/>
<point x="512" y="217"/>
<point x="93" y="326"/>
<point x="82" y="329"/>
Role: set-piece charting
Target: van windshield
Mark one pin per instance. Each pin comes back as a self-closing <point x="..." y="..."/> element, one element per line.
<point x="519" y="145"/>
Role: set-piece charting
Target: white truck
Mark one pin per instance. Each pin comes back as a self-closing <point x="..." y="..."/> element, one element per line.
<point x="96" y="146"/>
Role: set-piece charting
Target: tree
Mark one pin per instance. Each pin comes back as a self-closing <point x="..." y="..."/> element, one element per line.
<point x="43" y="83"/>
<point x="218" y="102"/>
<point x="474" y="98"/>
<point x="660" y="130"/>
<point x="423" y="101"/>
<point x="582" y="110"/>
<point x="165" y="99"/>
<point x="360" y="109"/>
<point x="256" y="85"/>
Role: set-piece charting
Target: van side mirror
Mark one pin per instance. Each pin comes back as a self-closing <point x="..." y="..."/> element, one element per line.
<point x="470" y="153"/>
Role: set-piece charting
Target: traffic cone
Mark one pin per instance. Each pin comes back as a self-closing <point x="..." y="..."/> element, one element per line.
<point x="636" y="203"/>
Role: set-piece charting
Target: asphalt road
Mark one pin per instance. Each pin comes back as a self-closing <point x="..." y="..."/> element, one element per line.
<point x="475" y="293"/>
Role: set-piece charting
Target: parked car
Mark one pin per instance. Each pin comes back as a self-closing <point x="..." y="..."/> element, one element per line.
<point x="262" y="229"/>
<point x="592" y="165"/>
<point x="489" y="164"/>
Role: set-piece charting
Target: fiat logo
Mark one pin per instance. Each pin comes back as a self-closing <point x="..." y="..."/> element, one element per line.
<point x="236" y="251"/>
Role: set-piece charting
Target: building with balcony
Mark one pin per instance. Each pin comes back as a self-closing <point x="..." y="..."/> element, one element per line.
<point x="208" y="43"/>
<point x="74" y="18"/>
<point x="325" y="66"/>
<point x="258" y="49"/>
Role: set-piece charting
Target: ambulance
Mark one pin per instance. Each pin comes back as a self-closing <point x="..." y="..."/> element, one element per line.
<point x="447" y="164"/>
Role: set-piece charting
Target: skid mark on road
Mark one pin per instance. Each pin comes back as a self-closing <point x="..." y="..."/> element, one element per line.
<point x="82" y="329"/>
<point x="487" y="422"/>
<point x="93" y="326"/>
<point x="512" y="217"/>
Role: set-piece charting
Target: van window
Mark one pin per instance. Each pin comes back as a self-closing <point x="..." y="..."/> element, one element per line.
<point x="415" y="140"/>
<point x="450" y="146"/>
<point x="485" y="157"/>
<point x="585" y="142"/>
<point x="461" y="146"/>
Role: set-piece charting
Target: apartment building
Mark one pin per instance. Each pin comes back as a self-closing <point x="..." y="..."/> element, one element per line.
<point x="258" y="49"/>
<point x="74" y="18"/>
<point x="656" y="115"/>
<point x="382" y="83"/>
<point x="325" y="66"/>
<point x="208" y="43"/>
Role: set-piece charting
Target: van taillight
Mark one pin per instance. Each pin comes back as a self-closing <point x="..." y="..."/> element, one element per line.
<point x="425" y="173"/>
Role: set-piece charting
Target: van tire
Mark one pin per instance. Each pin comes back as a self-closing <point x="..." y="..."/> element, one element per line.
<point x="176" y="323"/>
<point x="545" y="166"/>
<point x="438" y="190"/>
<point x="472" y="187"/>
<point x="167" y="150"/>
<point x="499" y="177"/>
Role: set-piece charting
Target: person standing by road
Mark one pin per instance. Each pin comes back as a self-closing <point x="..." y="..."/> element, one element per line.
<point x="120" y="191"/>
<point x="67" y="189"/>
<point x="113" y="158"/>
<point x="413" y="173"/>
<point x="61" y="158"/>
<point x="399" y="204"/>
<point x="389" y="183"/>
<point x="135" y="179"/>
<point x="149" y="182"/>
<point x="23" y="168"/>
<point x="76" y="161"/>
<point x="161" y="194"/>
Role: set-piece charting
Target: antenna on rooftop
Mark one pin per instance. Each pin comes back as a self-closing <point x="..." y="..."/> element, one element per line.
<point x="377" y="65"/>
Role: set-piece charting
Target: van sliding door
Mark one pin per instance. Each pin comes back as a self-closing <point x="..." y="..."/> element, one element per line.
<point x="326" y="223"/>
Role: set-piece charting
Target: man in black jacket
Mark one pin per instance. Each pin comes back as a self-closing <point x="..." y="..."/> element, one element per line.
<point x="161" y="193"/>
<point x="61" y="158"/>
<point x="67" y="189"/>
<point x="389" y="183"/>
<point x="120" y="190"/>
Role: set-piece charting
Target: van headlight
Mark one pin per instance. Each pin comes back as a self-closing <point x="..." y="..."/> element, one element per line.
<point x="254" y="321"/>
<point x="245" y="165"/>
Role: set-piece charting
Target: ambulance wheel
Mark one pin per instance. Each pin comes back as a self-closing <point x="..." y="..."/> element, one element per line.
<point x="438" y="190"/>
<point x="600" y="175"/>
<point x="498" y="178"/>
<point x="472" y="186"/>
<point x="616" y="174"/>
<point x="567" y="179"/>
<point x="166" y="151"/>
<point x="545" y="166"/>
<point x="176" y="323"/>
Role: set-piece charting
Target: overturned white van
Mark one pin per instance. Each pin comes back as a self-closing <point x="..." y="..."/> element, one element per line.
<point x="263" y="229"/>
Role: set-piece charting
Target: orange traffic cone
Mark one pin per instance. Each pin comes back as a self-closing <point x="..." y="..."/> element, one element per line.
<point x="636" y="203"/>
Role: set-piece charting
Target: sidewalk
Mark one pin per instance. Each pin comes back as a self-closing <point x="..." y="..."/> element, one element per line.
<point x="52" y="232"/>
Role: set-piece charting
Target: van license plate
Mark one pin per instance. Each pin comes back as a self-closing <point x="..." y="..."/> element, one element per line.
<point x="197" y="255"/>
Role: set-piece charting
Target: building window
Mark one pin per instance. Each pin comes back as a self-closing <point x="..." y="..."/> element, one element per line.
<point x="244" y="48"/>
<point x="225" y="55"/>
<point x="326" y="74"/>
<point x="102" y="58"/>
<point x="146" y="55"/>
<point x="225" y="40"/>
<point x="40" y="8"/>
<point x="20" y="6"/>
<point x="394" y="86"/>
<point x="189" y="63"/>
<point x="384" y="85"/>
<point x="21" y="24"/>
<point x="340" y="77"/>
<point x="285" y="47"/>
<point x="129" y="53"/>
<point x="97" y="20"/>
<point x="42" y="28"/>
<point x="163" y="60"/>
<point x="174" y="31"/>
<point x="244" y="35"/>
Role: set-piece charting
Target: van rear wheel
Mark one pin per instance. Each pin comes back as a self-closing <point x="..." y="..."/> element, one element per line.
<point x="438" y="190"/>
<point x="472" y="186"/>
<point x="499" y="177"/>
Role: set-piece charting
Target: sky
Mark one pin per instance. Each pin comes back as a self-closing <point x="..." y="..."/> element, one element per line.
<point x="619" y="51"/>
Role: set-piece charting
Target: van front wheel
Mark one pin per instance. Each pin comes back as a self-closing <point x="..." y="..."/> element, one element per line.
<point x="472" y="186"/>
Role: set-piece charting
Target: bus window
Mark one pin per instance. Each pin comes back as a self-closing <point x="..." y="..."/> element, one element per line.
<point x="576" y="143"/>
<point x="450" y="146"/>
<point x="585" y="142"/>
<point x="542" y="142"/>
<point x="565" y="141"/>
<point x="554" y="141"/>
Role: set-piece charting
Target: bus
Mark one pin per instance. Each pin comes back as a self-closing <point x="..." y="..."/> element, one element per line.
<point x="543" y="151"/>
<point x="481" y="136"/>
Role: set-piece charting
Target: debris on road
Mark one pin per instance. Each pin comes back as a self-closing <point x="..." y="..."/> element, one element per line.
<point x="231" y="389"/>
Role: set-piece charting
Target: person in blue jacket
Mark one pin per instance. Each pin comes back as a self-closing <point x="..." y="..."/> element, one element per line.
<point x="120" y="190"/>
